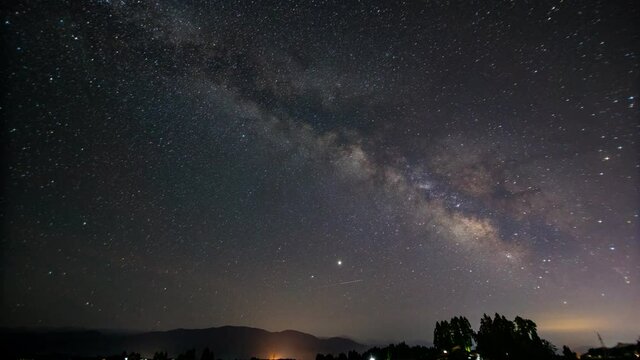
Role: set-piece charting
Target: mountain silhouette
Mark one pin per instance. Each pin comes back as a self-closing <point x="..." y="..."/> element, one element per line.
<point x="227" y="342"/>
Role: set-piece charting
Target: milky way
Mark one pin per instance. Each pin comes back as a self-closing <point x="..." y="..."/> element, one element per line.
<point x="331" y="167"/>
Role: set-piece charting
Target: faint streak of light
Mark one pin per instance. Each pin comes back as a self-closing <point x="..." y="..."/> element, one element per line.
<point x="350" y="282"/>
<point x="342" y="283"/>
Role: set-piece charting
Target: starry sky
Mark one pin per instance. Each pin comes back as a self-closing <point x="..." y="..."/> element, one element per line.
<point x="340" y="168"/>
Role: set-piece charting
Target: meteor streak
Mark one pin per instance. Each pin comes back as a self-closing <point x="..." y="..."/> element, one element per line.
<point x="342" y="283"/>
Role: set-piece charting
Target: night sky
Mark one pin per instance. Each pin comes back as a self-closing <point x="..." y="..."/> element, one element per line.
<point x="338" y="168"/>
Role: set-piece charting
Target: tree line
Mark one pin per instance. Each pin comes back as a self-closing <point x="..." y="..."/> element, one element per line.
<point x="498" y="338"/>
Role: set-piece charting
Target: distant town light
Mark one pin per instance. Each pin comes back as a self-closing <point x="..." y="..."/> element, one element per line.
<point x="372" y="358"/>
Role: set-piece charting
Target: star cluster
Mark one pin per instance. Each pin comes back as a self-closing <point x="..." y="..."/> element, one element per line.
<point x="334" y="167"/>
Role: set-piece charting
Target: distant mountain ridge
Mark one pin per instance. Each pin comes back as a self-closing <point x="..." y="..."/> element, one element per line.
<point x="227" y="342"/>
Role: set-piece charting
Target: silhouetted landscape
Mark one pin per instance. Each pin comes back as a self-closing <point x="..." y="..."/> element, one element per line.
<point x="497" y="339"/>
<point x="229" y="342"/>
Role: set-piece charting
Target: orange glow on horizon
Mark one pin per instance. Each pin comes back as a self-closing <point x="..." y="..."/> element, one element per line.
<point x="572" y="324"/>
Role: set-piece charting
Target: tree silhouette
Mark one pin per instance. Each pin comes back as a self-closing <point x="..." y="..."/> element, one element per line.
<point x="160" y="356"/>
<point x="207" y="354"/>
<point x="353" y="355"/>
<point x="567" y="354"/>
<point x="188" y="355"/>
<point x="501" y="339"/>
<point x="462" y="333"/>
<point x="456" y="334"/>
<point x="442" y="338"/>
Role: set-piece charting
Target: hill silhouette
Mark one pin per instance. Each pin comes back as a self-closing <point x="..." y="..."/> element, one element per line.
<point x="228" y="342"/>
